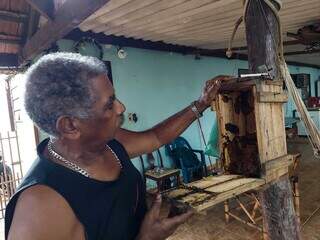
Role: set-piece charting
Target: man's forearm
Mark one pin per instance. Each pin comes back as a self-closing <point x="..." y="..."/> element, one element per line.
<point x="172" y="127"/>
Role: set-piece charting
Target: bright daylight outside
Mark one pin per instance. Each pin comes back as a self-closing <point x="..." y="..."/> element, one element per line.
<point x="17" y="139"/>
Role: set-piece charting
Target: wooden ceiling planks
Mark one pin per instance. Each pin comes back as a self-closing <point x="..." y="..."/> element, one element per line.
<point x="226" y="26"/>
<point x="189" y="22"/>
<point x="216" y="34"/>
<point x="118" y="12"/>
<point x="222" y="32"/>
<point x="93" y="19"/>
<point x="138" y="28"/>
<point x="209" y="10"/>
<point x="138" y="14"/>
<point x="197" y="22"/>
<point x="224" y="21"/>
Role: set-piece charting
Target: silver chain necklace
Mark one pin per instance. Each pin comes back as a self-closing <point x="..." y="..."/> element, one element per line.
<point x="74" y="166"/>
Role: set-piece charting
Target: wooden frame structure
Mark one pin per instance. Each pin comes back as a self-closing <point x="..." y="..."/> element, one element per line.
<point x="263" y="123"/>
<point x="252" y="207"/>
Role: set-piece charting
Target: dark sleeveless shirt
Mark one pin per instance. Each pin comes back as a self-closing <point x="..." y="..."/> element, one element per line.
<point x="110" y="210"/>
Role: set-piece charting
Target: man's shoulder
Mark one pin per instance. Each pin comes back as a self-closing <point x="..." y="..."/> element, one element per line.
<point x="41" y="195"/>
<point x="42" y="213"/>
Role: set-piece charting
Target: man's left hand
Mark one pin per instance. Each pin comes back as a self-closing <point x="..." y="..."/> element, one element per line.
<point x="211" y="90"/>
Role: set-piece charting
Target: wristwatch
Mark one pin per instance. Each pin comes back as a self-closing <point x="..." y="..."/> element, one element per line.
<point x="195" y="110"/>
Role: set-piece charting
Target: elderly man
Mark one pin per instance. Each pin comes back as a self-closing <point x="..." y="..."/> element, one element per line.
<point x="83" y="184"/>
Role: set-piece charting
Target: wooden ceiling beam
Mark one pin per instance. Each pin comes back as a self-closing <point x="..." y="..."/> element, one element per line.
<point x="67" y="17"/>
<point x="45" y="8"/>
<point x="11" y="16"/>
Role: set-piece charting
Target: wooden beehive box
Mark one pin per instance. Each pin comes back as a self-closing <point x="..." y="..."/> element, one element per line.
<point x="252" y="128"/>
<point x="252" y="143"/>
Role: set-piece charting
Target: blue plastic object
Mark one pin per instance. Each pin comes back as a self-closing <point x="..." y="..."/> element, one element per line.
<point x="187" y="160"/>
<point x="212" y="148"/>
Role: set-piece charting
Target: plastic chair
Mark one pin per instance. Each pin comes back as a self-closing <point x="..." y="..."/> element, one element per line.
<point x="187" y="160"/>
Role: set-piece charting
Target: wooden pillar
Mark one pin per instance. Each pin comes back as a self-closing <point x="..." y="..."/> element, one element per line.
<point x="263" y="39"/>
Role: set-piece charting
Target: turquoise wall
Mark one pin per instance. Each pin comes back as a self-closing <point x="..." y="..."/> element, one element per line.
<point x="155" y="85"/>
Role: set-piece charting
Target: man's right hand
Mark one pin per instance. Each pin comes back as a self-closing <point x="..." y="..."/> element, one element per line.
<point x="154" y="228"/>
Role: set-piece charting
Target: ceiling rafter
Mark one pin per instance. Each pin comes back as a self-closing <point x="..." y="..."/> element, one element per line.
<point x="66" y="18"/>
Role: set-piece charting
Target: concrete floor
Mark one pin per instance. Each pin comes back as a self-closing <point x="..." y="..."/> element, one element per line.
<point x="213" y="227"/>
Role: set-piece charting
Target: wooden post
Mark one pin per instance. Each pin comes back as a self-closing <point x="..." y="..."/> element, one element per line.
<point x="263" y="39"/>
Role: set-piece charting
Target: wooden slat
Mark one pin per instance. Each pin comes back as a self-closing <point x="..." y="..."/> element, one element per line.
<point x="270" y="128"/>
<point x="224" y="28"/>
<point x="231" y="185"/>
<point x="206" y="18"/>
<point x="141" y="13"/>
<point x="68" y="16"/>
<point x="204" y="41"/>
<point x="221" y="18"/>
<point x="214" y="20"/>
<point x="122" y="11"/>
<point x="277" y="163"/>
<point x="272" y="97"/>
<point x="250" y="185"/>
<point x="213" y="180"/>
<point x="237" y="84"/>
<point x="224" y="187"/>
<point x="145" y="27"/>
<point x="92" y="20"/>
<point x="189" y="17"/>
<point x="173" y="14"/>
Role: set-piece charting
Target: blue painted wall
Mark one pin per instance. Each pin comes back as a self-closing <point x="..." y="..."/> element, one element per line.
<point x="156" y="84"/>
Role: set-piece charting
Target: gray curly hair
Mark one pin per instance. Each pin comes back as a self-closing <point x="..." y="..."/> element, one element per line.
<point x="57" y="85"/>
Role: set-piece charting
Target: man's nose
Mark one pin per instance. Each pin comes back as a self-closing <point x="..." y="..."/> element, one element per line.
<point x="120" y="107"/>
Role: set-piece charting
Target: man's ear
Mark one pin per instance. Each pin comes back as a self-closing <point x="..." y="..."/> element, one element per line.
<point x="68" y="127"/>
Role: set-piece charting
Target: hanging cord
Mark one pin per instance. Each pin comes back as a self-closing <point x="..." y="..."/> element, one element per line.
<point x="203" y="140"/>
<point x="229" y="51"/>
